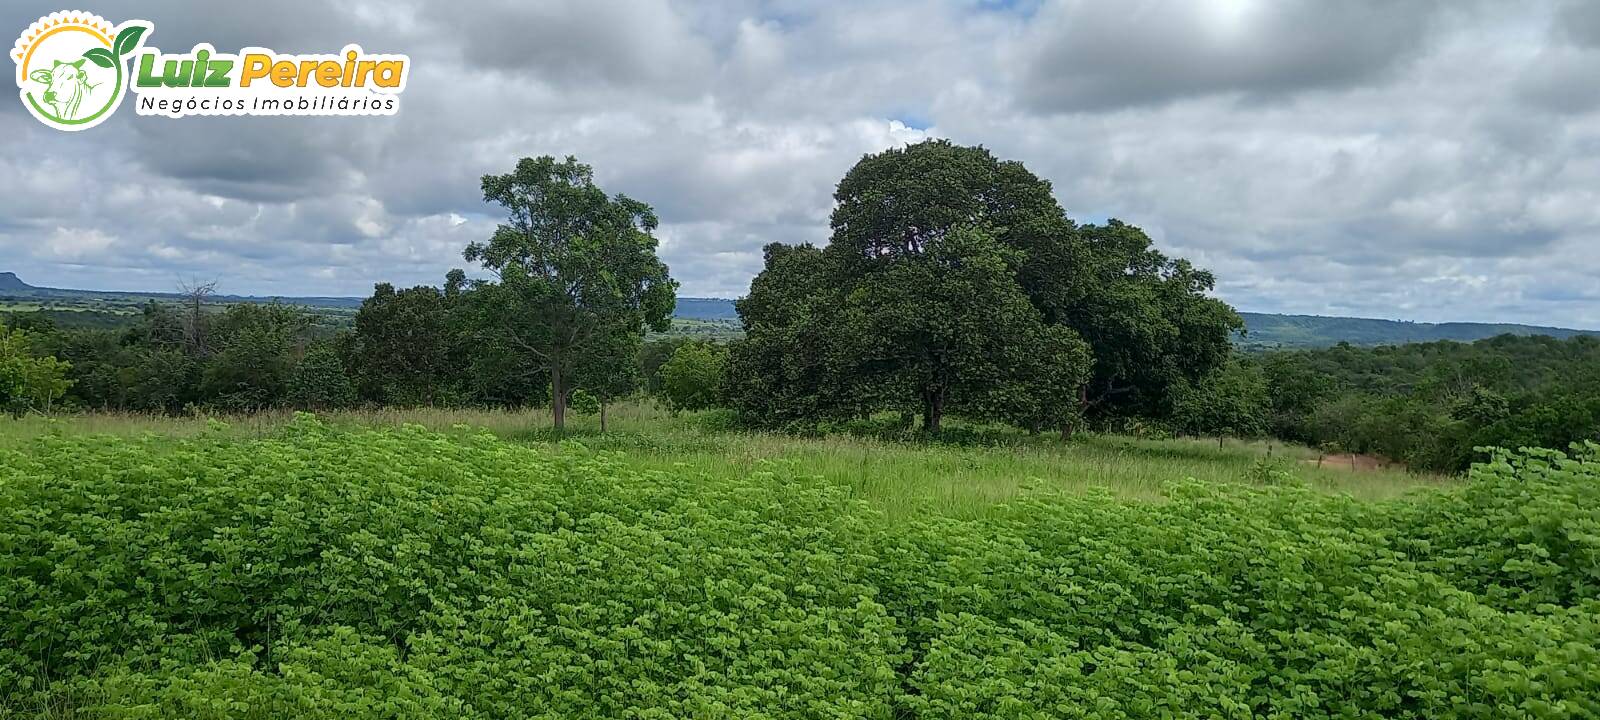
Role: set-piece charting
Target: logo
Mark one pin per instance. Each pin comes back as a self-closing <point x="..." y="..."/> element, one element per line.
<point x="73" y="69"/>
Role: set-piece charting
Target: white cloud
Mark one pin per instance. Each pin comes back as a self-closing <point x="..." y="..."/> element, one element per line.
<point x="74" y="245"/>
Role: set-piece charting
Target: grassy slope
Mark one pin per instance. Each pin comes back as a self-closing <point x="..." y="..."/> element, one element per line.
<point x="902" y="478"/>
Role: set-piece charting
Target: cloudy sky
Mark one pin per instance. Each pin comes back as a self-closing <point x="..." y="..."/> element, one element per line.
<point x="1383" y="158"/>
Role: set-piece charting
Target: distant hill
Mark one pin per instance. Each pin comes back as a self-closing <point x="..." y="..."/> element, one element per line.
<point x="706" y="309"/>
<point x="13" y="288"/>
<point x="10" y="283"/>
<point x="1263" y="330"/>
<point x="1266" y="331"/>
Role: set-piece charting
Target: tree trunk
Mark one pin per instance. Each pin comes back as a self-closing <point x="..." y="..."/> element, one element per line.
<point x="932" y="411"/>
<point x="1067" y="429"/>
<point x="558" y="398"/>
<point x="602" y="417"/>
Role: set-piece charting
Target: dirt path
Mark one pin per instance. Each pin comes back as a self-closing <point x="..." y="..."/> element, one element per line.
<point x="1356" y="463"/>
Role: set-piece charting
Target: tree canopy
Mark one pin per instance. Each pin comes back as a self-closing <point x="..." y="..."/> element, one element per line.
<point x="576" y="270"/>
<point x="954" y="280"/>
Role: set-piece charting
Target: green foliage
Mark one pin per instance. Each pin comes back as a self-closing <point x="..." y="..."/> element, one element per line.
<point x="507" y="581"/>
<point x="407" y="347"/>
<point x="949" y="275"/>
<point x="256" y="356"/>
<point x="1525" y="535"/>
<point x="320" y="380"/>
<point x="400" y="573"/>
<point x="609" y="368"/>
<point x="785" y="372"/>
<point x="1232" y="400"/>
<point x="240" y="358"/>
<point x="578" y="274"/>
<point x="582" y="402"/>
<point x="1148" y="318"/>
<point x="28" y="383"/>
<point x="1430" y="405"/>
<point x="692" y="379"/>
<point x="652" y="355"/>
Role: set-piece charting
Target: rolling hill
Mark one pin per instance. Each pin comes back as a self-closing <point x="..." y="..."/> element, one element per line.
<point x="1268" y="331"/>
<point x="717" y="317"/>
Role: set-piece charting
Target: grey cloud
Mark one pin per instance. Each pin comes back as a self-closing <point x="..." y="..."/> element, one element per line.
<point x="1578" y="21"/>
<point x="639" y="44"/>
<point x="1418" y="160"/>
<point x="1083" y="56"/>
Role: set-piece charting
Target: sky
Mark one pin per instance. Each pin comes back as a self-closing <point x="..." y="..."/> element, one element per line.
<point x="1409" y="159"/>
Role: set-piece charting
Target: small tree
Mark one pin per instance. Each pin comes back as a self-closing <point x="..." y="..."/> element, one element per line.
<point x="320" y="381"/>
<point x="692" y="378"/>
<point x="405" y="348"/>
<point x="29" y="383"/>
<point x="256" y="352"/>
<point x="609" y="371"/>
<point x="1231" y="400"/>
<point x="576" y="267"/>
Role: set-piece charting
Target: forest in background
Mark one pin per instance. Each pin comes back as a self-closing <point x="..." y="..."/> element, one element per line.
<point x="718" y="318"/>
<point x="971" y="295"/>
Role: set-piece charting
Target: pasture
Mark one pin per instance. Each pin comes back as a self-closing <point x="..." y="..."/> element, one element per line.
<point x="972" y="469"/>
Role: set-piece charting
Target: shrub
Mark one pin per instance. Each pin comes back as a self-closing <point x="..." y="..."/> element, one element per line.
<point x="320" y="382"/>
<point x="692" y="378"/>
<point x="28" y="383"/>
<point x="583" y="402"/>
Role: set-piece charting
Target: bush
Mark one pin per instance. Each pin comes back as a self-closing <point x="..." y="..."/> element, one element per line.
<point x="692" y="378"/>
<point x="583" y="402"/>
<point x="320" y="381"/>
<point x="28" y="383"/>
<point x="400" y="573"/>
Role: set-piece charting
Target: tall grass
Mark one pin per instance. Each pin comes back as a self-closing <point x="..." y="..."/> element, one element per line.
<point x="974" y="470"/>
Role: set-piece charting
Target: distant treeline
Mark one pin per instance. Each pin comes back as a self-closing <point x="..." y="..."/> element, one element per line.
<point x="409" y="347"/>
<point x="954" y="285"/>
<point x="1429" y="405"/>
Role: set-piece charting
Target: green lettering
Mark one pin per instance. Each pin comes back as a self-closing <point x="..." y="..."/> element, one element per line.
<point x="219" y="74"/>
<point x="147" y="62"/>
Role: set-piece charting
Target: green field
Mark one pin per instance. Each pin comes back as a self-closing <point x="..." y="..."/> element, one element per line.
<point x="978" y="468"/>
<point x="434" y="563"/>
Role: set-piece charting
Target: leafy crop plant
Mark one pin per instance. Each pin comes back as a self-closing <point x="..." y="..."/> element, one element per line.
<point x="326" y="573"/>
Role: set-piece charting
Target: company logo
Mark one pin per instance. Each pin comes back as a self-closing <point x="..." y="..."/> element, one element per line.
<point x="73" y="69"/>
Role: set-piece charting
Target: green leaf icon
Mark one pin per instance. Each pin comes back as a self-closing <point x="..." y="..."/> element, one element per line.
<point x="128" y="39"/>
<point x="101" y="57"/>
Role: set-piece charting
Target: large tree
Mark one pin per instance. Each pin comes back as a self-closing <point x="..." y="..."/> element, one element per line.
<point x="575" y="267"/>
<point x="948" y="329"/>
<point x="955" y="280"/>
<point x="791" y="368"/>
<point x="1147" y="316"/>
